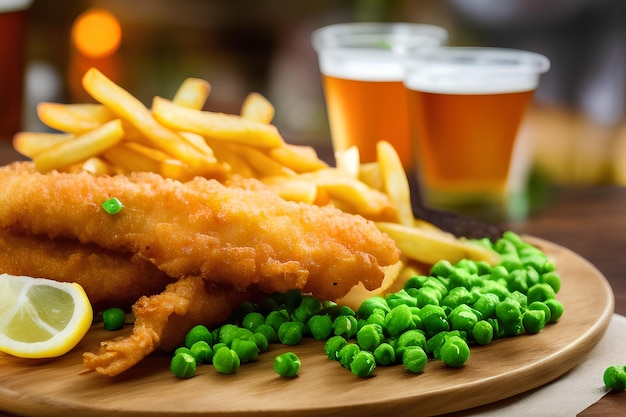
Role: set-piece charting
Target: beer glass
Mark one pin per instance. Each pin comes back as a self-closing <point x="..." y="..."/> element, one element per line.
<point x="362" y="72"/>
<point x="466" y="106"/>
<point x="13" y="15"/>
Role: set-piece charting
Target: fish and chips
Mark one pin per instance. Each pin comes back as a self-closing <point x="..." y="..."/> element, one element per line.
<point x="217" y="209"/>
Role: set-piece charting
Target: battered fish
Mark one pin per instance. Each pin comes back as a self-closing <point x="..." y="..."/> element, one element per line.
<point x="109" y="279"/>
<point x="163" y="320"/>
<point x="227" y="235"/>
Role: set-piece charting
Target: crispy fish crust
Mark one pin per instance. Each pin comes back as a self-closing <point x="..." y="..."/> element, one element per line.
<point x="109" y="279"/>
<point x="226" y="235"/>
<point x="161" y="322"/>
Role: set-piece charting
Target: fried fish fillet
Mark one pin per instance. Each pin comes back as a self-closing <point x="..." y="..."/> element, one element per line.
<point x="227" y="235"/>
<point x="162" y="320"/>
<point x="109" y="279"/>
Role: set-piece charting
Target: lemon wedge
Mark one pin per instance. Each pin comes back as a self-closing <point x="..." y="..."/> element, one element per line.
<point x="41" y="318"/>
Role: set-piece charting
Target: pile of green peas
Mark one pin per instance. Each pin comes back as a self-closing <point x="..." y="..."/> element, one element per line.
<point x="438" y="316"/>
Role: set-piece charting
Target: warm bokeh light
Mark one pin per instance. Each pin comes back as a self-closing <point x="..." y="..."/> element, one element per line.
<point x="96" y="33"/>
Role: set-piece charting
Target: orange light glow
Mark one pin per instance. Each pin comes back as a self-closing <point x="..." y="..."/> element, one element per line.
<point x="96" y="33"/>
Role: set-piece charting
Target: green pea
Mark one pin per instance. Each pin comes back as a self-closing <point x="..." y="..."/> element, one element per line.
<point x="486" y="304"/>
<point x="482" y="332"/>
<point x="400" y="297"/>
<point x="276" y="318"/>
<point x="269" y="333"/>
<point x="346" y="311"/>
<point x="454" y="351"/>
<point x="385" y="354"/>
<point x="457" y="296"/>
<point x="112" y="205"/>
<point x="467" y="264"/>
<point x="540" y="292"/>
<point x="226" y="361"/>
<point x="240" y="312"/>
<point x="230" y="332"/>
<point x="202" y="352"/>
<point x="464" y="321"/>
<point x="442" y="268"/>
<point x="345" y="326"/>
<point x="198" y="333"/>
<point x="369" y="336"/>
<point x="252" y="320"/>
<point x="287" y="364"/>
<point x="410" y="338"/>
<point x="309" y="306"/>
<point x="533" y="321"/>
<point x="333" y="345"/>
<point x="615" y="378"/>
<point x="368" y="306"/>
<point x="321" y="326"/>
<point x="556" y="309"/>
<point x="363" y="364"/>
<point x="399" y="320"/>
<point x="347" y="353"/>
<point x="414" y="359"/>
<point x="261" y="342"/>
<point x="290" y="333"/>
<point x="434" y="319"/>
<point x="539" y="305"/>
<point x="113" y="318"/>
<point x="427" y="295"/>
<point x="508" y="311"/>
<point x="183" y="365"/>
<point x="553" y="279"/>
<point x="246" y="350"/>
<point x="460" y="277"/>
<point x="415" y="282"/>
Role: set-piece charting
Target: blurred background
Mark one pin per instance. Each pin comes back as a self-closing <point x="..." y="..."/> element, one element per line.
<point x="577" y="124"/>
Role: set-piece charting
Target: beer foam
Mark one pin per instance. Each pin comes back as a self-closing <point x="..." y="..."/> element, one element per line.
<point x="366" y="67"/>
<point x="484" y="82"/>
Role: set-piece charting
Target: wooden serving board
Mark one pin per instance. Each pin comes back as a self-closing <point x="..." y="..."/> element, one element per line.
<point x="57" y="387"/>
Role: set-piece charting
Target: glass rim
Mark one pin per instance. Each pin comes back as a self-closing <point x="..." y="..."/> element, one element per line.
<point x="346" y="36"/>
<point x="483" y="57"/>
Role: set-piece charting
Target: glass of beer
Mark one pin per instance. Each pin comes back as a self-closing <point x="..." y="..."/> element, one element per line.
<point x="13" y="15"/>
<point x="362" y="72"/>
<point x="466" y="106"/>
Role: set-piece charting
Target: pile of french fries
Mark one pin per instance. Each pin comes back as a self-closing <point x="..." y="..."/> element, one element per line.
<point x="178" y="139"/>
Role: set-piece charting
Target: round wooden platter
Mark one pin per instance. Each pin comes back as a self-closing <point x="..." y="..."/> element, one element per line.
<point x="59" y="387"/>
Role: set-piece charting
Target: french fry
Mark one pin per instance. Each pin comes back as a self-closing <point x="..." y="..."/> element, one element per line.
<point x="31" y="144"/>
<point x="192" y="93"/>
<point x="134" y="157"/>
<point x="370" y="174"/>
<point x="130" y="109"/>
<point x="358" y="293"/>
<point x="261" y="162"/>
<point x="395" y="181"/>
<point x="292" y="189"/>
<point x="83" y="147"/>
<point x="298" y="158"/>
<point x="257" y="108"/>
<point x="219" y="126"/>
<point x="73" y="118"/>
<point x="431" y="246"/>
<point x="349" y="160"/>
<point x="362" y="199"/>
<point x="96" y="166"/>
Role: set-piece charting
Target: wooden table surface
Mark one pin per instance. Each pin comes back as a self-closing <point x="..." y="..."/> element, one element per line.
<point x="591" y="221"/>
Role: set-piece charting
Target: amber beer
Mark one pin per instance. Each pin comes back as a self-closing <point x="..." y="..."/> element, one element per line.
<point x="466" y="106"/>
<point x="362" y="74"/>
<point x="466" y="141"/>
<point x="362" y="112"/>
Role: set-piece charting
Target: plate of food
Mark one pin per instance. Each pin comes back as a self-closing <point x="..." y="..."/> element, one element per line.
<point x="217" y="210"/>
